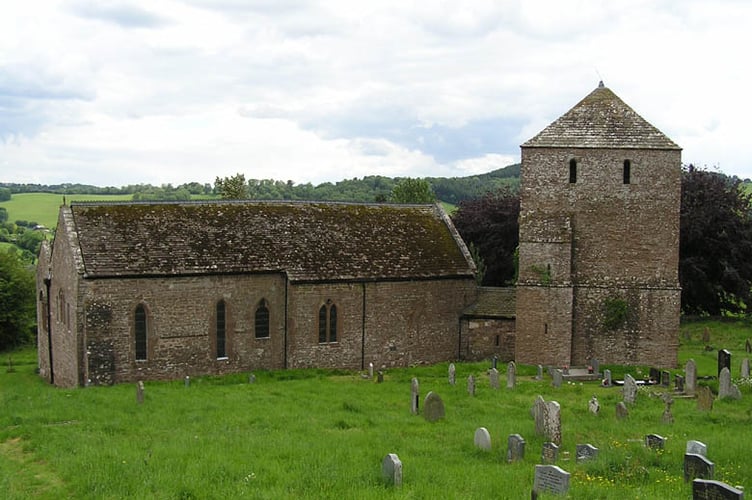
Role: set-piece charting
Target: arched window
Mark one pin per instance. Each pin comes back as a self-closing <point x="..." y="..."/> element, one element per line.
<point x="328" y="323"/>
<point x="627" y="171"/>
<point x="572" y="171"/>
<point x="221" y="330"/>
<point x="140" y="328"/>
<point x="262" y="320"/>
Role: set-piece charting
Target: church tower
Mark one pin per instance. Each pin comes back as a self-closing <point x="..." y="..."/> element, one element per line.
<point x="600" y="193"/>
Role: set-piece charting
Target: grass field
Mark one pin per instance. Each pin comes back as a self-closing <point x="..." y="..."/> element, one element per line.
<point x="42" y="208"/>
<point x="319" y="434"/>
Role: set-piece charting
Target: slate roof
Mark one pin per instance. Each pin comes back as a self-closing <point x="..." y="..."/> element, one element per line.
<point x="601" y="120"/>
<point x="493" y="302"/>
<point x="309" y="241"/>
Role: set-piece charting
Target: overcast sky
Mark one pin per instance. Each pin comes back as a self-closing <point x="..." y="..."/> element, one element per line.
<point x="173" y="91"/>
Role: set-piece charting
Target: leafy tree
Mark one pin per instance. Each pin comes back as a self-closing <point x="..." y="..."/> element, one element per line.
<point x="5" y="194"/>
<point x="715" y="268"/>
<point x="3" y="215"/>
<point x="490" y="225"/>
<point x="232" y="188"/>
<point x="412" y="191"/>
<point x="17" y="306"/>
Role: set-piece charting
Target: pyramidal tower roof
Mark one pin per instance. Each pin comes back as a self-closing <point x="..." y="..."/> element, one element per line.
<point x="601" y="120"/>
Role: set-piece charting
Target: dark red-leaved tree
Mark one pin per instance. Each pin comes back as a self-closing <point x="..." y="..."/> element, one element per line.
<point x="491" y="225"/>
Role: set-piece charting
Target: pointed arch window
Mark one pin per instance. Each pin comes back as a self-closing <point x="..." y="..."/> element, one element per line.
<point x="262" y="320"/>
<point x="627" y="172"/>
<point x="328" y="323"/>
<point x="140" y="329"/>
<point x="572" y="171"/>
<point x="221" y="330"/>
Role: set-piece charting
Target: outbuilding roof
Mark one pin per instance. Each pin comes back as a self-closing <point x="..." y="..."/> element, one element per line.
<point x="309" y="241"/>
<point x="601" y="120"/>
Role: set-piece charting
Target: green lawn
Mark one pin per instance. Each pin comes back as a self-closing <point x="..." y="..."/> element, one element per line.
<point x="319" y="434"/>
<point x="42" y="208"/>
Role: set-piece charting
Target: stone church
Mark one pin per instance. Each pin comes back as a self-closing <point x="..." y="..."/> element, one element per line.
<point x="130" y="291"/>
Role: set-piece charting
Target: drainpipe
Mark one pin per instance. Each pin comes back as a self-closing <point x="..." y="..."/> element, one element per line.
<point x="363" y="332"/>
<point x="48" y="285"/>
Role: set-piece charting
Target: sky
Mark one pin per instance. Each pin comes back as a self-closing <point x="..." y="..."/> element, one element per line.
<point x="113" y="93"/>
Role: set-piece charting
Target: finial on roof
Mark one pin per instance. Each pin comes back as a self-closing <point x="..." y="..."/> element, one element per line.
<point x="600" y="84"/>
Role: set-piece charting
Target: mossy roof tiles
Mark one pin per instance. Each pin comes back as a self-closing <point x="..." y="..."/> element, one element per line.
<point x="601" y="120"/>
<point x="309" y="241"/>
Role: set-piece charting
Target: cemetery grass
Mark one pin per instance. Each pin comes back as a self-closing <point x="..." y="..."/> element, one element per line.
<point x="323" y="434"/>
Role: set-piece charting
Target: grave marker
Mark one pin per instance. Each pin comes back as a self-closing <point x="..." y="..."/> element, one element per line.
<point x="482" y="439"/>
<point x="493" y="377"/>
<point x="539" y="375"/>
<point x="668" y="417"/>
<point x="697" y="466"/>
<point x="690" y="377"/>
<point x="251" y="378"/>
<point x="585" y="452"/>
<point x="140" y="392"/>
<point x="748" y="346"/>
<point x="550" y="453"/>
<point x="655" y="375"/>
<point x="704" y="399"/>
<point x="607" y="382"/>
<point x="539" y="411"/>
<point x="550" y="479"/>
<point x="697" y="447"/>
<point x="515" y="448"/>
<point x="471" y="385"/>
<point x="391" y="470"/>
<point x="654" y="441"/>
<point x="414" y="396"/>
<point x="725" y="388"/>
<point x="724" y="360"/>
<point x="595" y="365"/>
<point x="552" y="421"/>
<point x="370" y="370"/>
<point x="433" y="407"/>
<point x="708" y="489"/>
<point x="452" y="374"/>
<point x="187" y="381"/>
<point x="665" y="378"/>
<point x="679" y="383"/>
<point x="557" y="377"/>
<point x="745" y="368"/>
<point x="379" y="377"/>
<point x="511" y="375"/>
<point x="629" y="390"/>
<point x="621" y="410"/>
<point x="594" y="406"/>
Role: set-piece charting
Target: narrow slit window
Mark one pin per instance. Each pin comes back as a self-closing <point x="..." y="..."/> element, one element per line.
<point x="221" y="330"/>
<point x="627" y="171"/>
<point x="322" y="325"/>
<point x="262" y="320"/>
<point x="572" y="171"/>
<point x="140" y="332"/>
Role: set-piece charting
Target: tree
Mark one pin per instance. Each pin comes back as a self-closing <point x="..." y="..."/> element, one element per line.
<point x="490" y="225"/>
<point x="412" y="191"/>
<point x="17" y="305"/>
<point x="5" y="194"/>
<point x="232" y="188"/>
<point x="715" y="268"/>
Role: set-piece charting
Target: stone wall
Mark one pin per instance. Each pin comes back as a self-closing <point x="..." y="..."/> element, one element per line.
<point x="484" y="338"/>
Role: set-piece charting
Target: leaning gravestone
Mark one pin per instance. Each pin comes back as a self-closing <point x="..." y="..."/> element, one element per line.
<point x="697" y="466"/>
<point x="391" y="470"/>
<point x="585" y="452"/>
<point x="482" y="439"/>
<point x="704" y="399"/>
<point x="697" y="447"/>
<point x="629" y="390"/>
<point x="552" y="421"/>
<point x="550" y="453"/>
<point x="725" y="388"/>
<point x="539" y="412"/>
<point x="724" y="360"/>
<point x="745" y="368"/>
<point x="708" y="489"/>
<point x="690" y="377"/>
<point x="471" y="385"/>
<point x="557" y="375"/>
<point x="140" y="392"/>
<point x="493" y="377"/>
<point x="515" y="448"/>
<point x="452" y="374"/>
<point x="654" y="441"/>
<point x="621" y="410"/>
<point x="550" y="479"/>
<point x="414" y="396"/>
<point x="511" y="375"/>
<point x="433" y="407"/>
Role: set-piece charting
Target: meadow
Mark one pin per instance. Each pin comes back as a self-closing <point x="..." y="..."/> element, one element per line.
<point x="42" y="208"/>
<point x="323" y="434"/>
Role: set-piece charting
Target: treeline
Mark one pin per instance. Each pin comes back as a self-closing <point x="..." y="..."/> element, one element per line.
<point x="373" y="188"/>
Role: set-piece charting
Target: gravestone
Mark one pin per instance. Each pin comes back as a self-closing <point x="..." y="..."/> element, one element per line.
<point x="668" y="417"/>
<point x="379" y="377"/>
<point x="452" y="374"/>
<point x="697" y="466"/>
<point x="708" y="489"/>
<point x="725" y="388"/>
<point x="745" y="368"/>
<point x="655" y="375"/>
<point x="493" y="377"/>
<point x="629" y="391"/>
<point x="655" y="441"/>
<point x="724" y="360"/>
<point x="471" y="385"/>
<point x="187" y="381"/>
<point x="251" y="378"/>
<point x="595" y="365"/>
<point x="585" y="452"/>
<point x="679" y="383"/>
<point x="748" y="346"/>
<point x="539" y="375"/>
<point x="552" y="421"/>
<point x="704" y="399"/>
<point x="515" y="448"/>
<point x="621" y="410"/>
<point x="665" y="378"/>
<point x="607" y="382"/>
<point x="550" y="479"/>
<point x="539" y="412"/>
<point x="494" y="361"/>
<point x="370" y="370"/>
<point x="706" y="335"/>
<point x="593" y="405"/>
<point x="140" y="392"/>
<point x="391" y="470"/>
<point x="550" y="453"/>
<point x="690" y="377"/>
<point x="433" y="407"/>
<point x="697" y="447"/>
<point x="482" y="439"/>
<point x="557" y="377"/>
<point x="414" y="396"/>
<point x="511" y="375"/>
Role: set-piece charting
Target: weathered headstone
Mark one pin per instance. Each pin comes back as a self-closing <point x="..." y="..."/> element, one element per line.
<point x="655" y="441"/>
<point x="706" y="335"/>
<point x="515" y="448"/>
<point x="704" y="399"/>
<point x="187" y="381"/>
<point x="595" y="365"/>
<point x="607" y="382"/>
<point x="655" y="375"/>
<point x="370" y="370"/>
<point x="433" y="407"/>
<point x="697" y="466"/>
<point x="552" y="421"/>
<point x="140" y="392"/>
<point x="697" y="447"/>
<point x="511" y="375"/>
<point x="668" y="417"/>
<point x="745" y="368"/>
<point x="593" y="405"/>
<point x="585" y="452"/>
<point x="629" y="391"/>
<point x="493" y="377"/>
<point x="708" y="489"/>
<point x="539" y="375"/>
<point x="550" y="453"/>
<point x="665" y="378"/>
<point x="557" y="376"/>
<point x="621" y="410"/>
<point x="471" y="385"/>
<point x="452" y="374"/>
<point x="550" y="479"/>
<point x="725" y="388"/>
<point x="482" y="439"/>
<point x="539" y="413"/>
<point x="391" y="470"/>
<point x="679" y="383"/>
<point x="724" y="360"/>
<point x="414" y="396"/>
<point x="690" y="377"/>
<point x="379" y="377"/>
